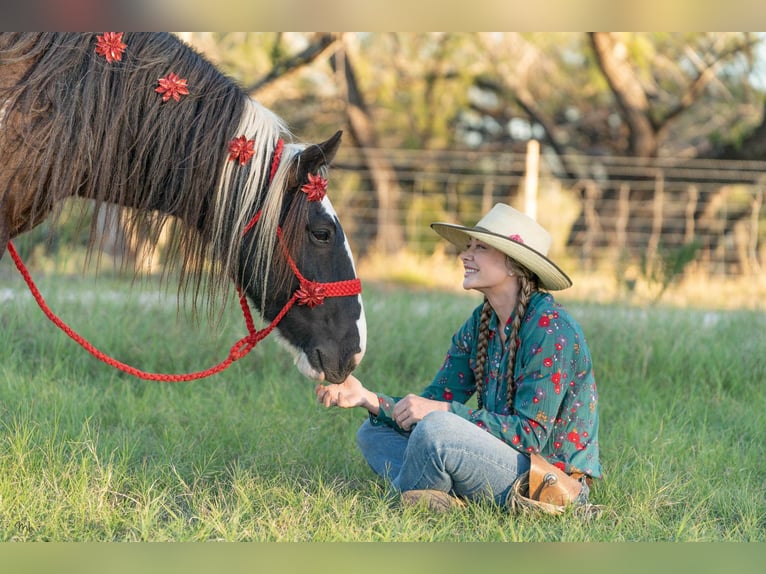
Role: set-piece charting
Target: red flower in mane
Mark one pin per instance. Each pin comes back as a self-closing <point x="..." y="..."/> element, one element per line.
<point x="241" y="149"/>
<point x="316" y="188"/>
<point x="111" y="46"/>
<point x="171" y="86"/>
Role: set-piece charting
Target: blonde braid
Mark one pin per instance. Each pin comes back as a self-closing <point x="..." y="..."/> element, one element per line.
<point x="528" y="284"/>
<point x="481" y="350"/>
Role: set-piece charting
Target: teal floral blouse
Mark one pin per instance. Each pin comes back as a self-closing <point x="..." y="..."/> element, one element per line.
<point x="555" y="406"/>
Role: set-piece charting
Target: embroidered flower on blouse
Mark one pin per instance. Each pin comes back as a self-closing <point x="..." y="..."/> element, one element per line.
<point x="110" y="46"/>
<point x="241" y="149"/>
<point x="171" y="86"/>
<point x="316" y="188"/>
<point x="574" y="438"/>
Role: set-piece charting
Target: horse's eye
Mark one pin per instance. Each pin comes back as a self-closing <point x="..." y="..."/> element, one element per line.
<point x="321" y="235"/>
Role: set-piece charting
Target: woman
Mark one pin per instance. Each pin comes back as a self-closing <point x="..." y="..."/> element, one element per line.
<point x="523" y="356"/>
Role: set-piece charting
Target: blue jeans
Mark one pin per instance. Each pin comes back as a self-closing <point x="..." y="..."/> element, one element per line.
<point x="443" y="452"/>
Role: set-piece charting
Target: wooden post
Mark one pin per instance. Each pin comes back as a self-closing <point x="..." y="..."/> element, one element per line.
<point x="486" y="196"/>
<point x="755" y="217"/>
<point x="691" y="208"/>
<point x="621" y="225"/>
<point x="531" y="178"/>
<point x="592" y="225"/>
<point x="654" y="238"/>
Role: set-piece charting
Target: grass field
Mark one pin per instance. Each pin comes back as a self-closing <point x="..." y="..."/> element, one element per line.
<point x="87" y="453"/>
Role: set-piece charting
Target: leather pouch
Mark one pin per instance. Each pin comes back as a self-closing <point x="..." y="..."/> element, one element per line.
<point x="550" y="484"/>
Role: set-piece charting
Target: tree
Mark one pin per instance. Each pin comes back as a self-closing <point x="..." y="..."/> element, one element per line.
<point x="390" y="237"/>
<point x="651" y="98"/>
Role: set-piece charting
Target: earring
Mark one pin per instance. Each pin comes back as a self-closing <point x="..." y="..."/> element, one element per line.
<point x="511" y="274"/>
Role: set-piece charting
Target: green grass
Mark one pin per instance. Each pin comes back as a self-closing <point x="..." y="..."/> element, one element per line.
<point x="88" y="453"/>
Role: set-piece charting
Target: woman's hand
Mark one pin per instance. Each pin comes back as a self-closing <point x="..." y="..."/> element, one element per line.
<point x="412" y="408"/>
<point x="350" y="393"/>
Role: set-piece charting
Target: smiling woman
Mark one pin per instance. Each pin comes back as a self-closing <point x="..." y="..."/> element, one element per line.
<point x="528" y="364"/>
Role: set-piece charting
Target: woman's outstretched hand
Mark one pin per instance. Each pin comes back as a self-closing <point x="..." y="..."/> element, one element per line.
<point x="350" y="393"/>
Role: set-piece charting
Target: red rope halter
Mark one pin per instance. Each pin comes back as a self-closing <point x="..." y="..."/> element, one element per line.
<point x="309" y="293"/>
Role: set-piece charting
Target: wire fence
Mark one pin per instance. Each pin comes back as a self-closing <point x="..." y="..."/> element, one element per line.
<point x="601" y="210"/>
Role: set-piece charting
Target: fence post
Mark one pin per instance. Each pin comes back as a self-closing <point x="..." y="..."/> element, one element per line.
<point x="621" y="225"/>
<point x="531" y="178"/>
<point x="654" y="238"/>
<point x="592" y="225"/>
<point x="486" y="195"/>
<point x="691" y="209"/>
<point x="755" y="216"/>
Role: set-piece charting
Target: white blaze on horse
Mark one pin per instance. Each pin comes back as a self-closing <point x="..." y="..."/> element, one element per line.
<point x="142" y="121"/>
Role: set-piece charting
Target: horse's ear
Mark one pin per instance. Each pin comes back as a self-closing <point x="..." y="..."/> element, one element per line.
<point x="318" y="155"/>
<point x="330" y="148"/>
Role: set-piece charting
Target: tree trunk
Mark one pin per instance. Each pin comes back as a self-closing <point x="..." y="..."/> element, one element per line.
<point x="627" y="90"/>
<point x="390" y="236"/>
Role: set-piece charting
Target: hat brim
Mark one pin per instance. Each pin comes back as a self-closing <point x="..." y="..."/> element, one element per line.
<point x="551" y="276"/>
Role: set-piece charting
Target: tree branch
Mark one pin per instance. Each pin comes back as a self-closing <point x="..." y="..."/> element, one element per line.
<point x="317" y="49"/>
<point x="705" y="74"/>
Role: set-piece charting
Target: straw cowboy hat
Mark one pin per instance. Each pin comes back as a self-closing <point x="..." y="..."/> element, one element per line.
<point x="515" y="234"/>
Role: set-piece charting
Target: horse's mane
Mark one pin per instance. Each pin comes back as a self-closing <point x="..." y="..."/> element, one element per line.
<point x="84" y="126"/>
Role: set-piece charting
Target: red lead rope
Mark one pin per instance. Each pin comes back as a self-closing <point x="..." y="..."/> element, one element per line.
<point x="310" y="293"/>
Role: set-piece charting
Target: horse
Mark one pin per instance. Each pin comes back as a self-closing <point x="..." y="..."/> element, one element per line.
<point x="144" y="122"/>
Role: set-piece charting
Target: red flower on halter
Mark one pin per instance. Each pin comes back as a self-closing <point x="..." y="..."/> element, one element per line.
<point x="310" y="294"/>
<point x="111" y="46"/>
<point x="241" y="149"/>
<point x="171" y="86"/>
<point x="316" y="188"/>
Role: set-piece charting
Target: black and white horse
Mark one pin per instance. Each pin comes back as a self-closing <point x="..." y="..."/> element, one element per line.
<point x="142" y="121"/>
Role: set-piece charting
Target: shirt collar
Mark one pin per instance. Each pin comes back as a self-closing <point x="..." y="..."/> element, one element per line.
<point x="493" y="322"/>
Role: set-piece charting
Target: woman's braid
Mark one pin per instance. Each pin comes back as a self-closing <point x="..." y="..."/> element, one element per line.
<point x="481" y="350"/>
<point x="528" y="284"/>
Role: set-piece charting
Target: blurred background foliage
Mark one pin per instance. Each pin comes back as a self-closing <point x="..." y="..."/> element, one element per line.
<point x="696" y="94"/>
